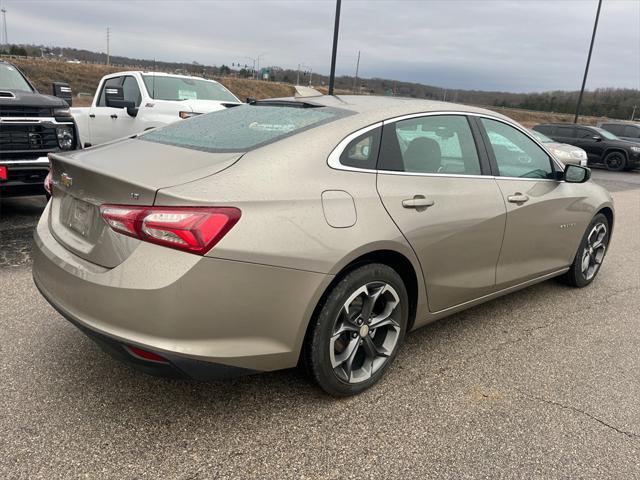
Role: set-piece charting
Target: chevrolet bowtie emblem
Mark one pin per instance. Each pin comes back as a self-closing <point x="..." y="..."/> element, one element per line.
<point x="66" y="180"/>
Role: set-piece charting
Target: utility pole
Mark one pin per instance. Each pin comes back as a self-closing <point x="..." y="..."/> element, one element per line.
<point x="5" y="39"/>
<point x="108" y="47"/>
<point x="298" y="76"/>
<point x="334" y="51"/>
<point x="633" y="113"/>
<point x="355" y="80"/>
<point x="586" y="70"/>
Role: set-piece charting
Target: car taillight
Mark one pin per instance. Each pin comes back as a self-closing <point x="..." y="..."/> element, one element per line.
<point x="47" y="182"/>
<point x="3" y="173"/>
<point x="192" y="229"/>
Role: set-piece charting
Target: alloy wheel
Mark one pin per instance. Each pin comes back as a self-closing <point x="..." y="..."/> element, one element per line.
<point x="615" y="161"/>
<point x="365" y="332"/>
<point x="594" y="250"/>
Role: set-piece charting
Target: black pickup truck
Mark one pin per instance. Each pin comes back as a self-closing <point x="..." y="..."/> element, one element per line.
<point x="31" y="126"/>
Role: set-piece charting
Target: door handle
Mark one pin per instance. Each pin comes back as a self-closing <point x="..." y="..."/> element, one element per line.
<point x="92" y="115"/>
<point x="113" y="115"/>
<point x="418" y="202"/>
<point x="518" y="198"/>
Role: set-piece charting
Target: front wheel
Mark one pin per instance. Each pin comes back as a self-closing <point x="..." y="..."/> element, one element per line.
<point x="358" y="331"/>
<point x="591" y="252"/>
<point x="615" y="161"/>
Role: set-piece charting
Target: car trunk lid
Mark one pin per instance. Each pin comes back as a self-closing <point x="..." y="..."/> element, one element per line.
<point x="129" y="172"/>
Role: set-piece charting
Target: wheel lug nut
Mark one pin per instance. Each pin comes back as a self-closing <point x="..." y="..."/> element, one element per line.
<point x="354" y="335"/>
<point x="360" y="342"/>
<point x="359" y="321"/>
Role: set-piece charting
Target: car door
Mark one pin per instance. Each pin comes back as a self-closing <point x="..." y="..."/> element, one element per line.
<point x="545" y="216"/>
<point x="591" y="142"/>
<point x="108" y="123"/>
<point x="430" y="179"/>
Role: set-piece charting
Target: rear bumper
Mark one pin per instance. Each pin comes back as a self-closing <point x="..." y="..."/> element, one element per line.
<point x="208" y="317"/>
<point x="25" y="177"/>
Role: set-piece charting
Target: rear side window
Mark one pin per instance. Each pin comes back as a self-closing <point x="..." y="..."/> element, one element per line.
<point x="111" y="82"/>
<point x="241" y="128"/>
<point x="362" y="152"/>
<point x="432" y="144"/>
<point x="568" y="132"/>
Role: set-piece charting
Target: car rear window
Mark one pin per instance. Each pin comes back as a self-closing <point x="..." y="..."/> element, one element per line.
<point x="241" y="128"/>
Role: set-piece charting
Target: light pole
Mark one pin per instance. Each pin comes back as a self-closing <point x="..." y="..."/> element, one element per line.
<point x="336" y="26"/>
<point x="586" y="70"/>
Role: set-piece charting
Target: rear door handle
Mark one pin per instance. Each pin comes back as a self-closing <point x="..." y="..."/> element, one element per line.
<point x="92" y="115"/>
<point x="418" y="202"/>
<point x="517" y="198"/>
<point x="113" y="115"/>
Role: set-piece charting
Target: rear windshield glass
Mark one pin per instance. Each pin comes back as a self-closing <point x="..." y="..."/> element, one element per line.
<point x="241" y="128"/>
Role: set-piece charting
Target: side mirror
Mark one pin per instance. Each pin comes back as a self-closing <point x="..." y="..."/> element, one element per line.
<point x="597" y="138"/>
<point x="62" y="90"/>
<point x="576" y="174"/>
<point x="114" y="97"/>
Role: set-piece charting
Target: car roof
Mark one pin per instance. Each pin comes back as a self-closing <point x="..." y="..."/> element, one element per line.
<point x="158" y="74"/>
<point x="377" y="108"/>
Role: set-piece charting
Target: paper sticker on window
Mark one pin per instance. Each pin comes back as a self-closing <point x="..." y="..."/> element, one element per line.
<point x="187" y="95"/>
<point x="271" y="127"/>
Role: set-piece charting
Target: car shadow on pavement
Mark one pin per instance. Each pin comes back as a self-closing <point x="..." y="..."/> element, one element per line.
<point x="103" y="385"/>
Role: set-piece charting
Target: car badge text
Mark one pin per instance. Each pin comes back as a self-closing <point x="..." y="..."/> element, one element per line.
<point x="66" y="180"/>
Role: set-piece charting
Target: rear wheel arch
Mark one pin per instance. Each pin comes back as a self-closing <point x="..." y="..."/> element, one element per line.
<point x="393" y="259"/>
<point x="614" y="149"/>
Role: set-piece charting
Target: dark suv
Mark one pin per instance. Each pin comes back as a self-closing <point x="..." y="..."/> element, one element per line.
<point x="601" y="146"/>
<point x="32" y="125"/>
<point x="623" y="130"/>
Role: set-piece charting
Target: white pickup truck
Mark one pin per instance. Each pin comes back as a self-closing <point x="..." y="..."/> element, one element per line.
<point x="127" y="103"/>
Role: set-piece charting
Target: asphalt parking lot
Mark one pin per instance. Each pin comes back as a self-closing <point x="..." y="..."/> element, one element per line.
<point x="540" y="384"/>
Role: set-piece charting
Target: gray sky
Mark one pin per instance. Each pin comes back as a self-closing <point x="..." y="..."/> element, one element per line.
<point x="517" y="45"/>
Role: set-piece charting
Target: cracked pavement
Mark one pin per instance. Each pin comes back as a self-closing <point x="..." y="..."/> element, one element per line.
<point x="541" y="384"/>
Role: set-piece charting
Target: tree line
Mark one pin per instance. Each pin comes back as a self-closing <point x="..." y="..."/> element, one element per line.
<point x="608" y="102"/>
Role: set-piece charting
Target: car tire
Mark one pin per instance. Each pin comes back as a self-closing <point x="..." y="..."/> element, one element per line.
<point x="358" y="330"/>
<point x="615" y="161"/>
<point x="590" y="254"/>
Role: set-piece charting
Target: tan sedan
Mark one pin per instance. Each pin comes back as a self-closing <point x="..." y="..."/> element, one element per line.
<point x="319" y="230"/>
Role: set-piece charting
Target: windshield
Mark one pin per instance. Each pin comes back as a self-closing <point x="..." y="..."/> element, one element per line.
<point x="241" y="128"/>
<point x="178" y="88"/>
<point x="12" y="79"/>
<point x="606" y="134"/>
<point x="540" y="137"/>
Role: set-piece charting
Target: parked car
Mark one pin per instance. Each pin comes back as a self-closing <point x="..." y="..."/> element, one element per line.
<point x="127" y="103"/>
<point x="562" y="151"/>
<point x="602" y="147"/>
<point x="319" y="229"/>
<point x="32" y="125"/>
<point x="624" y="130"/>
